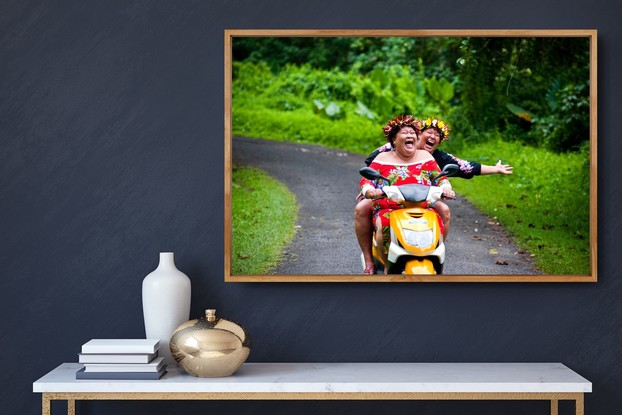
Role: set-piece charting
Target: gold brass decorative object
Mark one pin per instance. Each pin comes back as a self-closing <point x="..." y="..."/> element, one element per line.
<point x="210" y="347"/>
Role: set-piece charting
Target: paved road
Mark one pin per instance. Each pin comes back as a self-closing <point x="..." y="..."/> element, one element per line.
<point x="325" y="182"/>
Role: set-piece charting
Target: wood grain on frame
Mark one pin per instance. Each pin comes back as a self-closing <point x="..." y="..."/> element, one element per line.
<point x="591" y="34"/>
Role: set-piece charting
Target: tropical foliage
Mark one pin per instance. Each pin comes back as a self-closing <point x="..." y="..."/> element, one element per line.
<point x="531" y="89"/>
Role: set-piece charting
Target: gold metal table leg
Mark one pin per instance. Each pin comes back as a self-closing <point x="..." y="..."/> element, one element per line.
<point x="580" y="405"/>
<point x="45" y="405"/>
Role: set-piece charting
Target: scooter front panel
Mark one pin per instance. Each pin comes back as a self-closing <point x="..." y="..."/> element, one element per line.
<point x="416" y="230"/>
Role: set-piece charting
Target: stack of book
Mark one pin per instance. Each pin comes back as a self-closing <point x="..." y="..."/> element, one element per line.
<point x="121" y="359"/>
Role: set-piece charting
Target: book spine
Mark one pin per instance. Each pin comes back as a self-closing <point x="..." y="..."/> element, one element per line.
<point x="82" y="374"/>
<point x="120" y="346"/>
<point x="115" y="358"/>
<point x="87" y="349"/>
<point x="155" y="366"/>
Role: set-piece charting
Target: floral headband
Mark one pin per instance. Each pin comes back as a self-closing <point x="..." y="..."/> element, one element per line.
<point x="397" y="123"/>
<point x="441" y="126"/>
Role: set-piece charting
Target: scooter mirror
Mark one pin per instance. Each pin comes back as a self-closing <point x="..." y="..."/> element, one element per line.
<point x="371" y="174"/>
<point x="450" y="170"/>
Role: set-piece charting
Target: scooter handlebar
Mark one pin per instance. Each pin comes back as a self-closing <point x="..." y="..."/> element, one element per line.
<point x="413" y="193"/>
<point x="435" y="194"/>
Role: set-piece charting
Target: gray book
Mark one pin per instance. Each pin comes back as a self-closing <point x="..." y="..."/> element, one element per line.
<point x="81" y="374"/>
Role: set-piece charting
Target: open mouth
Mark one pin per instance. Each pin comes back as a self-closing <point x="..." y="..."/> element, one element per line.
<point x="429" y="144"/>
<point x="409" y="143"/>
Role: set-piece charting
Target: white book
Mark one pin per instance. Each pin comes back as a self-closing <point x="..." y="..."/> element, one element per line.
<point x="121" y="346"/>
<point x="116" y="357"/>
<point x="155" y="366"/>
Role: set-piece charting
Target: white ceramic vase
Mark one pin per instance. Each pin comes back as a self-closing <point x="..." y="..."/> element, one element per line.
<point x="166" y="303"/>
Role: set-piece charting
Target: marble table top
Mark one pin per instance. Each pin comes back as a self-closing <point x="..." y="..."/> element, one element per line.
<point x="340" y="377"/>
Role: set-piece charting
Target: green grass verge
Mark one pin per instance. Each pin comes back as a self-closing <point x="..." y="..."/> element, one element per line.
<point x="264" y="214"/>
<point x="353" y="133"/>
<point x="544" y="204"/>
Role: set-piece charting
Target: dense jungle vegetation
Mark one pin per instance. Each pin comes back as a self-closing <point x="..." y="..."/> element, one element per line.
<point x="523" y="100"/>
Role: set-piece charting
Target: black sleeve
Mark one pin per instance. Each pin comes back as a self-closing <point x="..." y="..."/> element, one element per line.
<point x="372" y="156"/>
<point x="468" y="169"/>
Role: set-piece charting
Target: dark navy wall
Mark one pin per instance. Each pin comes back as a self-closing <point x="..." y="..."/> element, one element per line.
<point x="111" y="125"/>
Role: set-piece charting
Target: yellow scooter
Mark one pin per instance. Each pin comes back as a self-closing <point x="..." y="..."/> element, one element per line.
<point x="416" y="245"/>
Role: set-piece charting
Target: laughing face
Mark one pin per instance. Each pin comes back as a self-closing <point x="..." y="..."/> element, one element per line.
<point x="406" y="141"/>
<point x="430" y="139"/>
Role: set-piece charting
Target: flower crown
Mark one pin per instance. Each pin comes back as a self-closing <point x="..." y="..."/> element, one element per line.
<point x="397" y="123"/>
<point x="441" y="126"/>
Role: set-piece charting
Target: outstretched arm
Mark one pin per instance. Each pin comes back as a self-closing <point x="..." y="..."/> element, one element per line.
<point x="469" y="169"/>
<point x="498" y="168"/>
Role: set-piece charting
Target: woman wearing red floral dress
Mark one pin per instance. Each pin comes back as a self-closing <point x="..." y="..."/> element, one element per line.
<point x="404" y="165"/>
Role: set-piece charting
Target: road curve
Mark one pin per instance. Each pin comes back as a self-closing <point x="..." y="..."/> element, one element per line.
<point x="325" y="182"/>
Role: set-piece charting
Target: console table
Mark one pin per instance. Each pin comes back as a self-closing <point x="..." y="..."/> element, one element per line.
<point x="333" y="381"/>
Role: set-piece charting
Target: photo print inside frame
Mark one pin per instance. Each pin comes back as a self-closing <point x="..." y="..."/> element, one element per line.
<point x="304" y="109"/>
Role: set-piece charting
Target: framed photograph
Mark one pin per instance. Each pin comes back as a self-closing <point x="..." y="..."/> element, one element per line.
<point x="335" y="141"/>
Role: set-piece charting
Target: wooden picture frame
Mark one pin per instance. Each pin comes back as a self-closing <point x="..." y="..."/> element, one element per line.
<point x="230" y="37"/>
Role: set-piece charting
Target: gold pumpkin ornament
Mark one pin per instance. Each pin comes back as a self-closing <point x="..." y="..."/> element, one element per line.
<point x="210" y="347"/>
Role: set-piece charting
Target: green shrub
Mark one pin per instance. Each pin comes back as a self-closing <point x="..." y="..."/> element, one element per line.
<point x="568" y="124"/>
<point x="383" y="93"/>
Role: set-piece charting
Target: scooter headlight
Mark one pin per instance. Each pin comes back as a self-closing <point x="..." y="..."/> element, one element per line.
<point x="419" y="239"/>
